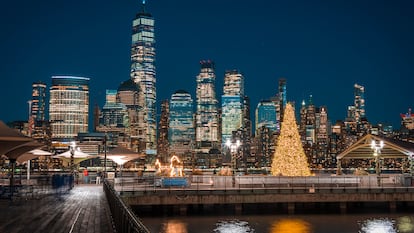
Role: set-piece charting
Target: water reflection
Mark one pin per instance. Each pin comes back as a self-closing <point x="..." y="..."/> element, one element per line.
<point x="378" y="226"/>
<point x="233" y="226"/>
<point x="174" y="226"/>
<point x="406" y="224"/>
<point x="291" y="226"/>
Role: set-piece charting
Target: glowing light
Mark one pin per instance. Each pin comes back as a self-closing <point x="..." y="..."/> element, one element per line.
<point x="174" y="169"/>
<point x="291" y="226"/>
<point x="175" y="226"/>
<point x="289" y="158"/>
<point x="406" y="224"/>
<point x="158" y="165"/>
<point x="231" y="226"/>
<point x="378" y="226"/>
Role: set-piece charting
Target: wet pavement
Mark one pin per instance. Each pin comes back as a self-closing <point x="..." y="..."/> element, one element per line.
<point x="82" y="209"/>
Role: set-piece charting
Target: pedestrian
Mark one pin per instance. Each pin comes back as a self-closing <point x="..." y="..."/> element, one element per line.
<point x="98" y="177"/>
<point x="86" y="176"/>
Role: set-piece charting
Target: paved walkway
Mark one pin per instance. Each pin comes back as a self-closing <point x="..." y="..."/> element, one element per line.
<point x="83" y="209"/>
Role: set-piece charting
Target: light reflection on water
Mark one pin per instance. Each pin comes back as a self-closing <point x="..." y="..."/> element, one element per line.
<point x="283" y="224"/>
<point x="233" y="226"/>
<point x="291" y="226"/>
<point x="174" y="226"/>
<point x="378" y="226"/>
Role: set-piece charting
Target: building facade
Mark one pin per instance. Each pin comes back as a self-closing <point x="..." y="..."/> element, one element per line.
<point x="181" y="132"/>
<point x="144" y="75"/>
<point x="68" y="106"/>
<point x="232" y="106"/>
<point x="207" y="124"/>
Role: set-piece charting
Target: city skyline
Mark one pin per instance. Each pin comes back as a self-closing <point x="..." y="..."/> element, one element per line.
<point x="322" y="49"/>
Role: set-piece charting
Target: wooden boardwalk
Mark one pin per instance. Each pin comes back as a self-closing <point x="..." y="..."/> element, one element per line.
<point x="83" y="209"/>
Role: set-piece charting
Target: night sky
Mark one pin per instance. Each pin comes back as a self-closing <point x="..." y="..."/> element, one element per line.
<point x="321" y="47"/>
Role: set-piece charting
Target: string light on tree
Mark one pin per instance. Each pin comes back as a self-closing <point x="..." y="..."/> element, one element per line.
<point x="289" y="158"/>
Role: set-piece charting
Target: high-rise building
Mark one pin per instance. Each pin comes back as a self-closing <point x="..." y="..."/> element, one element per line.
<point x="144" y="75"/>
<point x="282" y="97"/>
<point x="163" y="144"/>
<point x="207" y="126"/>
<point x="38" y="104"/>
<point x="114" y="114"/>
<point x="38" y="127"/>
<point x="69" y="106"/>
<point x="359" y="103"/>
<point x="266" y="116"/>
<point x="407" y="120"/>
<point x="232" y="104"/>
<point x="181" y="125"/>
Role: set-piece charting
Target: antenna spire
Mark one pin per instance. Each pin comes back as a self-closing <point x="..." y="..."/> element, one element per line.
<point x="143" y="5"/>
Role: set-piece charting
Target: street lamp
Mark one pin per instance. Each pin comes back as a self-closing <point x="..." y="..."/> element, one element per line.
<point x="377" y="147"/>
<point x="72" y="148"/>
<point x="233" y="150"/>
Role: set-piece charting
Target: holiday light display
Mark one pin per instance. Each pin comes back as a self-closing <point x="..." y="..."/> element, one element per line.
<point x="289" y="158"/>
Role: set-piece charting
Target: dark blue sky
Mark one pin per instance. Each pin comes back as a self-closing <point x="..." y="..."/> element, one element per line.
<point x="321" y="47"/>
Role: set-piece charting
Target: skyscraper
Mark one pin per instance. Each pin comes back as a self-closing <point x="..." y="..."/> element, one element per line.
<point x="359" y="103"/>
<point x="282" y="97"/>
<point x="232" y="104"/>
<point x="37" y="110"/>
<point x="207" y="134"/>
<point x="181" y="124"/>
<point x="266" y="116"/>
<point x="69" y="106"/>
<point x="143" y="74"/>
<point x="114" y="114"/>
<point x="37" y="125"/>
<point x="163" y="144"/>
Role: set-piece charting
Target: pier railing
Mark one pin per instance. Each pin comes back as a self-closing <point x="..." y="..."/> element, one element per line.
<point x="229" y="183"/>
<point x="123" y="217"/>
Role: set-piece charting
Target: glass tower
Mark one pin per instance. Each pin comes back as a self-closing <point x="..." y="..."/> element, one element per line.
<point x="114" y="114"/>
<point x="207" y="127"/>
<point x="143" y="74"/>
<point x="359" y="103"/>
<point x="37" y="110"/>
<point x="232" y="104"/>
<point x="266" y="116"/>
<point x="282" y="97"/>
<point x="181" y="123"/>
<point x="69" y="106"/>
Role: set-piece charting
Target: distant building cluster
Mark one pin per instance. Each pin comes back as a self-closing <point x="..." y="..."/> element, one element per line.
<point x="201" y="131"/>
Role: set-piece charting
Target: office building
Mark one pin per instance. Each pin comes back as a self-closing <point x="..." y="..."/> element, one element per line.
<point x="232" y="104"/>
<point x="181" y="132"/>
<point x="207" y="125"/>
<point x="266" y="116"/>
<point x="144" y="76"/>
<point x="69" y="106"/>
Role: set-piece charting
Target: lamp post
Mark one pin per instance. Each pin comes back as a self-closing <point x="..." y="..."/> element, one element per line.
<point x="377" y="147"/>
<point x="233" y="146"/>
<point x="72" y="148"/>
<point x="104" y="141"/>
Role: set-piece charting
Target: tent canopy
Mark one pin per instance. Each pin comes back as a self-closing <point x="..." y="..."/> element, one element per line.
<point x="10" y="139"/>
<point x="32" y="155"/>
<point x="392" y="148"/>
<point x="78" y="156"/>
<point x="120" y="155"/>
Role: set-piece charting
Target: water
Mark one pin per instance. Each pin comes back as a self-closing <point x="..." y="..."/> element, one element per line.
<point x="332" y="223"/>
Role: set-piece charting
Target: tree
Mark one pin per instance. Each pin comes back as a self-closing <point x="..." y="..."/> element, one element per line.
<point x="289" y="158"/>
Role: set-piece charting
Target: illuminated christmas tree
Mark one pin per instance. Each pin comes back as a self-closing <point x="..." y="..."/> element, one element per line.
<point x="289" y="158"/>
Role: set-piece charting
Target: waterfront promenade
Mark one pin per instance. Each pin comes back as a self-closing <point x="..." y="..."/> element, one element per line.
<point x="82" y="209"/>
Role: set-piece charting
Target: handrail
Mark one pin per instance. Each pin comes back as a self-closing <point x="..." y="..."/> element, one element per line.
<point x="124" y="218"/>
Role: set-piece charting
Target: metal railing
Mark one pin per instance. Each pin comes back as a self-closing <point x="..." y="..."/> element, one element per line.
<point x="123" y="217"/>
<point x="228" y="183"/>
